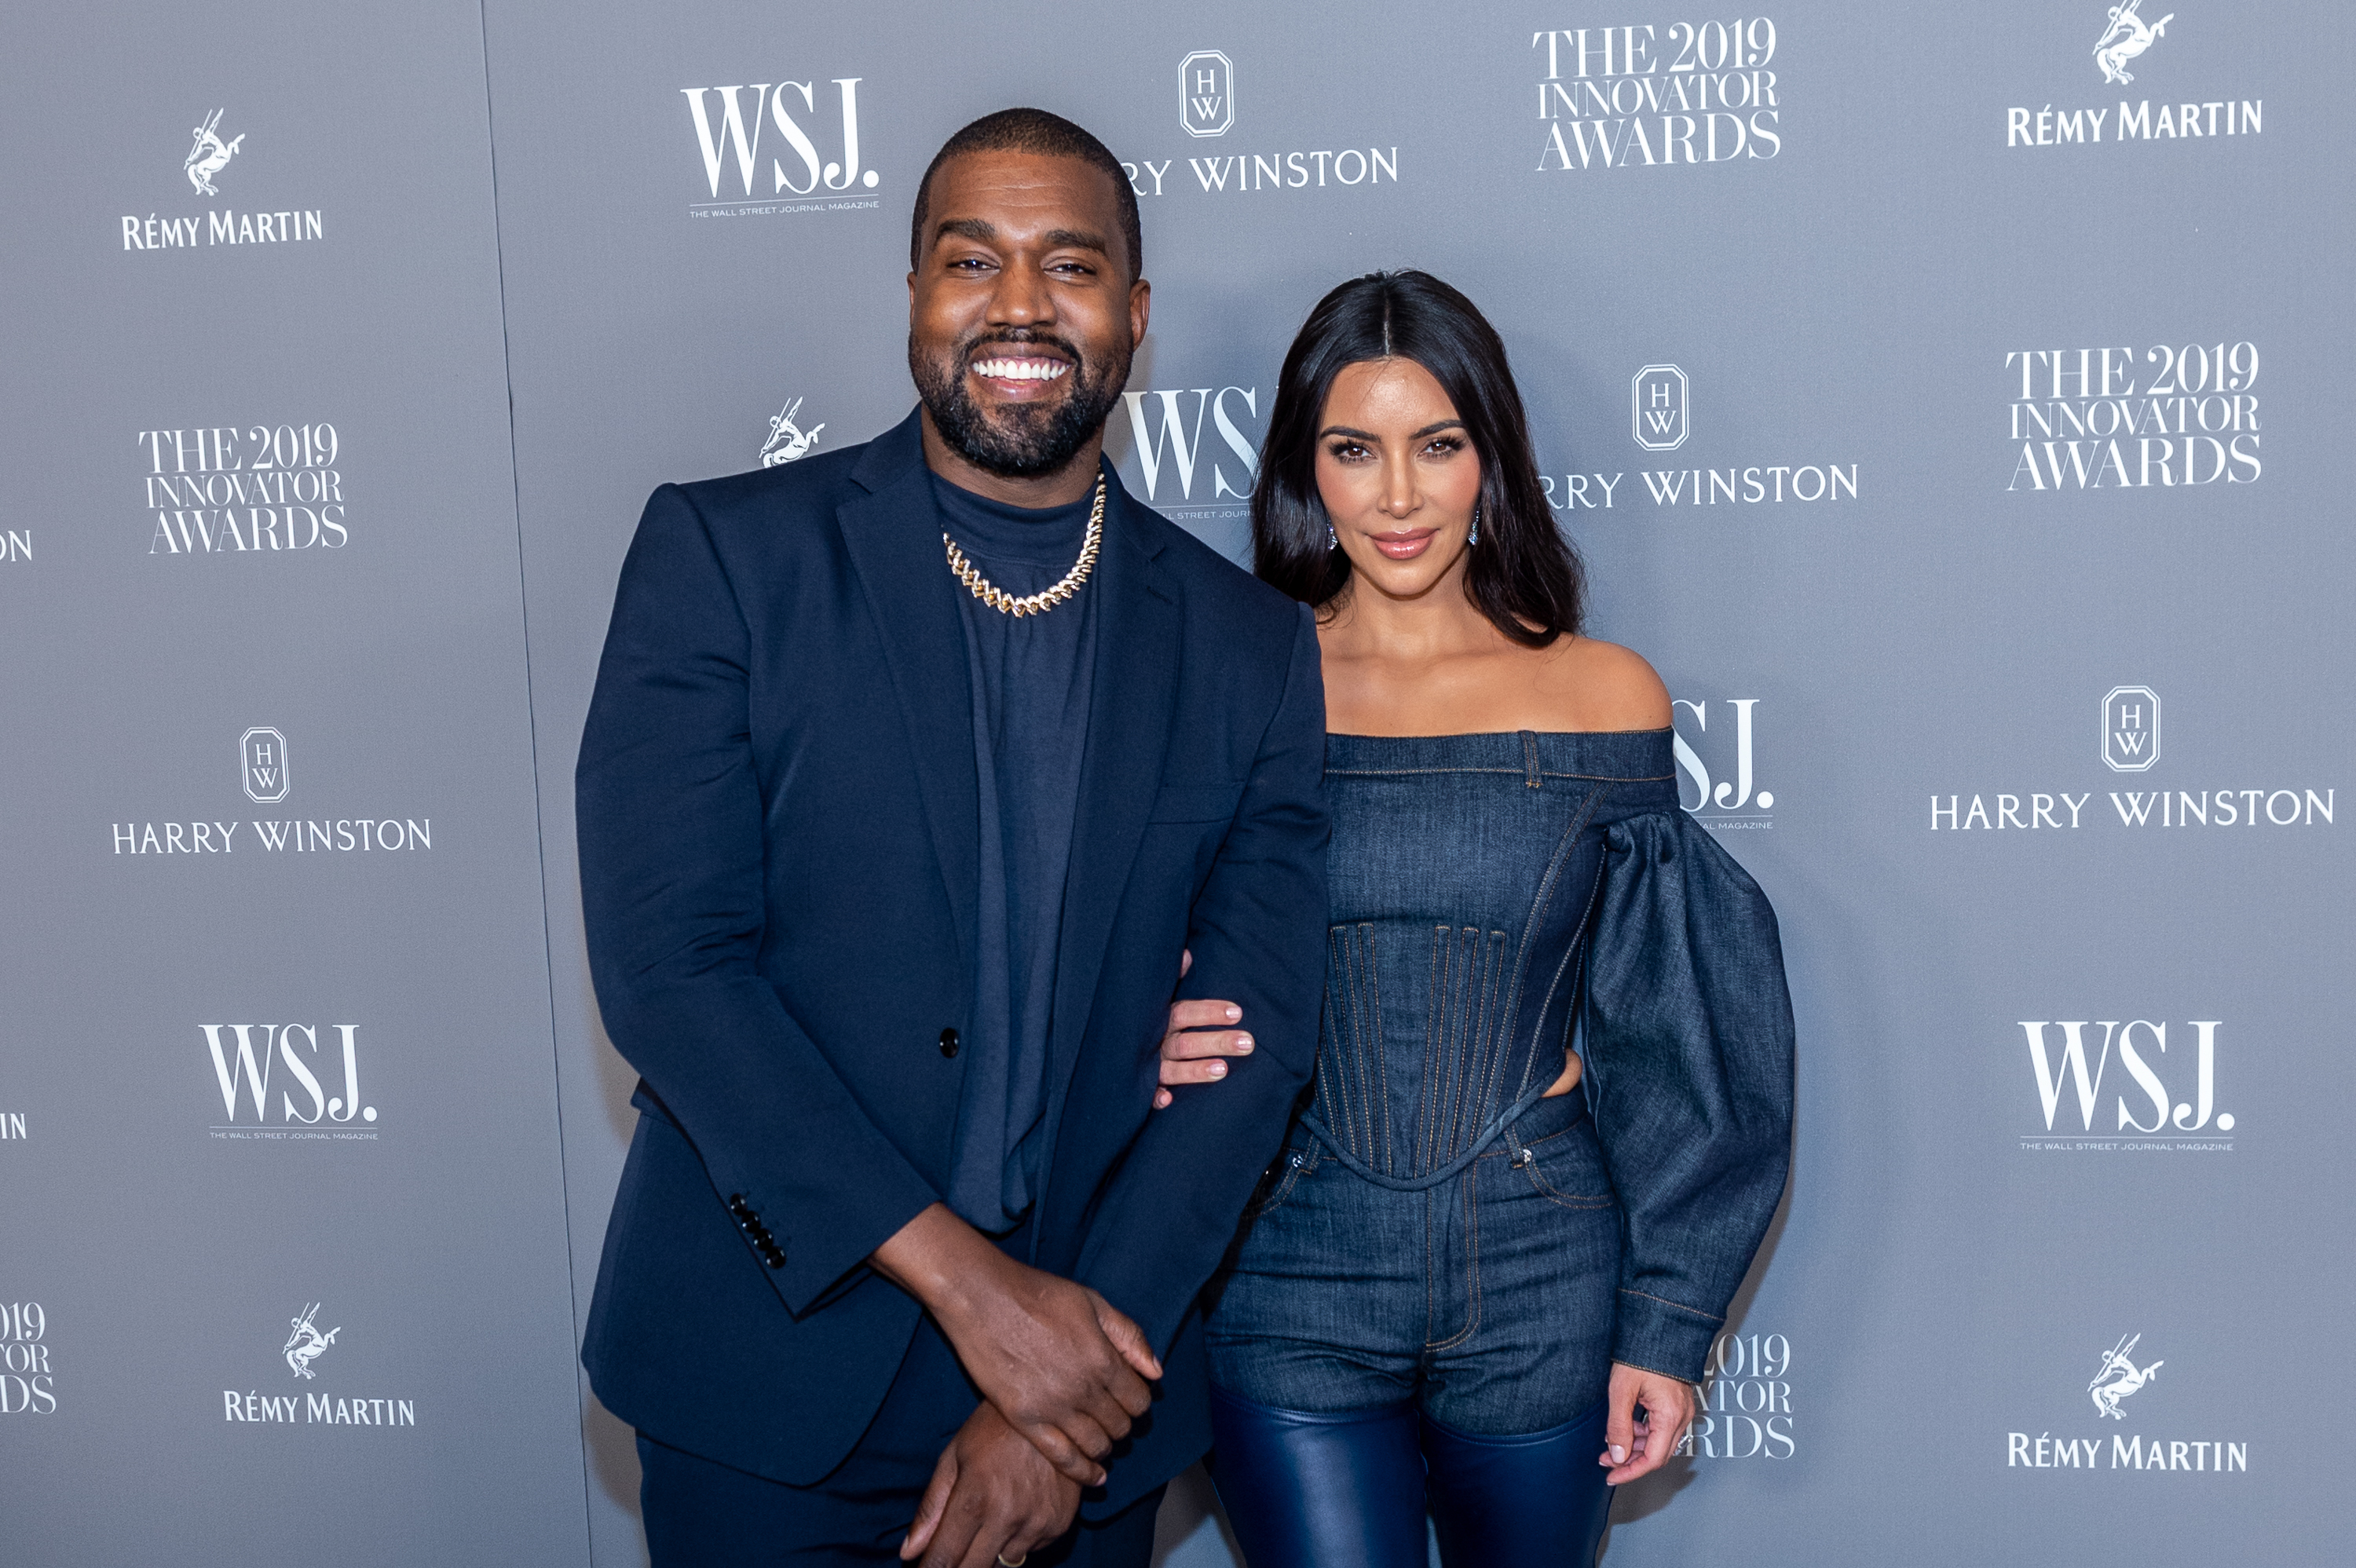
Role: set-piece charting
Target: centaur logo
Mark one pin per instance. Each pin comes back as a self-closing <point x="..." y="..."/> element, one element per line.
<point x="729" y="123"/>
<point x="210" y="154"/>
<point x="2130" y="728"/>
<point x="2060" y="1061"/>
<point x="2116" y="1377"/>
<point x="1206" y="93"/>
<point x="306" y="1344"/>
<point x="2124" y="38"/>
<point x="787" y="441"/>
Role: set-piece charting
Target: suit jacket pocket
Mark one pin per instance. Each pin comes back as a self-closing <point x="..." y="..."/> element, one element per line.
<point x="1196" y="802"/>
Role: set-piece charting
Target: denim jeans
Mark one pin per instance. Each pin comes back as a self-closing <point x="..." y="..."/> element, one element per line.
<point x="1486" y="1299"/>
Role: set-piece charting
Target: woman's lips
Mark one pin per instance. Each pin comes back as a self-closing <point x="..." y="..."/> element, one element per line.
<point x="1404" y="546"/>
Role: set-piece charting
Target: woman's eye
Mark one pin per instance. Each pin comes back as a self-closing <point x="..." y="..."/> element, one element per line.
<point x="1347" y="452"/>
<point x="1443" y="446"/>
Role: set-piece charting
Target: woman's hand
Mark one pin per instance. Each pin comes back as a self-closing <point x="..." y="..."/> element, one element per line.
<point x="1636" y="1445"/>
<point x="1198" y="1040"/>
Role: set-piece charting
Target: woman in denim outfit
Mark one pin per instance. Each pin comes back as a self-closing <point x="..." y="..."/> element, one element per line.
<point x="1552" y="1112"/>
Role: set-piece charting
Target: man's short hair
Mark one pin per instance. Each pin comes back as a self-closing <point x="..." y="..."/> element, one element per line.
<point x="1048" y="135"/>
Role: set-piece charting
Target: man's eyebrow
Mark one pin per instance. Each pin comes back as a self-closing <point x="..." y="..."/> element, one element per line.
<point x="1078" y="240"/>
<point x="967" y="228"/>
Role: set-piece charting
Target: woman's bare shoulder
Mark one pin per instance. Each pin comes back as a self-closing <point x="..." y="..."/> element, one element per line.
<point x="1595" y="685"/>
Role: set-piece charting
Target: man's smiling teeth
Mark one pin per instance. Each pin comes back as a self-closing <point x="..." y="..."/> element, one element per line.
<point x="1022" y="369"/>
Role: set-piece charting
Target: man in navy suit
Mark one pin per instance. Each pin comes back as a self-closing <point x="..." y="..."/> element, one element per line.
<point x="912" y="772"/>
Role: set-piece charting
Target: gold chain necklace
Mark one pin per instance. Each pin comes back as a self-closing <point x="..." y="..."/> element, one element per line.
<point x="1046" y="599"/>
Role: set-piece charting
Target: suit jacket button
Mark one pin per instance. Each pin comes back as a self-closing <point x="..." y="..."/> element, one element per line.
<point x="949" y="1044"/>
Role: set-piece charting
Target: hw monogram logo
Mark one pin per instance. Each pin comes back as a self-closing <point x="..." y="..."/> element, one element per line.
<point x="1657" y="407"/>
<point x="261" y="762"/>
<point x="2124" y="38"/>
<point x="1206" y="93"/>
<point x="2130" y="728"/>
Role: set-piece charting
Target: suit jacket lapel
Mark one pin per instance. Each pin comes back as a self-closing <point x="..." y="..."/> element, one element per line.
<point x="892" y="536"/>
<point x="1133" y="690"/>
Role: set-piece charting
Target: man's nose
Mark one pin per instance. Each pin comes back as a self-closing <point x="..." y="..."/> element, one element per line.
<point x="1022" y="298"/>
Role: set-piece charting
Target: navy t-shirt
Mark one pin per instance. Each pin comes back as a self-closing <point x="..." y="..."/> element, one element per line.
<point x="1031" y="678"/>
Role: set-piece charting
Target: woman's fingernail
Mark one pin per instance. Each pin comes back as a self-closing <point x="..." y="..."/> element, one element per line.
<point x="1243" y="1044"/>
<point x="1619" y="1455"/>
<point x="1234" y="1013"/>
<point x="1219" y="1070"/>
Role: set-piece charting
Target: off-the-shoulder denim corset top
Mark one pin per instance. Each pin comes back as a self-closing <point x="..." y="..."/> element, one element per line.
<point x="1466" y="874"/>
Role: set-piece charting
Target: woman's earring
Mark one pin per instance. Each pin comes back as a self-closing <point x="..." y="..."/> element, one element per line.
<point x="1333" y="540"/>
<point x="1475" y="537"/>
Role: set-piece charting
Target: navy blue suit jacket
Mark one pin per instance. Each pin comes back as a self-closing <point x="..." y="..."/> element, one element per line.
<point x="778" y="827"/>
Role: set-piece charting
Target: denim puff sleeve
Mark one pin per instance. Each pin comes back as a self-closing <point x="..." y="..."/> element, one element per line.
<point x="1687" y="1034"/>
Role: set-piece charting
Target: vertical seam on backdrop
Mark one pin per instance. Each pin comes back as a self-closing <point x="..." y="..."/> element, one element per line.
<point x="539" y="818"/>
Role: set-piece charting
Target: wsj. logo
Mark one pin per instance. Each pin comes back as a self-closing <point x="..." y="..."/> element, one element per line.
<point x="2130" y="728"/>
<point x="306" y="1344"/>
<point x="261" y="762"/>
<point x="2116" y="1377"/>
<point x="2125" y="37"/>
<point x="1206" y="93"/>
<point x="1657" y="407"/>
<point x="739" y="133"/>
<point x="786" y="441"/>
<point x="1725" y="802"/>
<point x="242" y="1056"/>
<point x="1172" y="439"/>
<point x="2071" y="1071"/>
<point x="210" y="154"/>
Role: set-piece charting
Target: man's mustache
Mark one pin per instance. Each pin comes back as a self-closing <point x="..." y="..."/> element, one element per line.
<point x="1022" y="336"/>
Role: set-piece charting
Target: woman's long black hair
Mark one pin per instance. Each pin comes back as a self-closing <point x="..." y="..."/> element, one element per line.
<point x="1522" y="574"/>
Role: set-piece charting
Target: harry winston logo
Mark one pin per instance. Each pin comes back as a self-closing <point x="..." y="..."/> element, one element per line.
<point x="2130" y="728"/>
<point x="210" y="154"/>
<point x="261" y="762"/>
<point x="2126" y="37"/>
<point x="1206" y="93"/>
<point x="1657" y="407"/>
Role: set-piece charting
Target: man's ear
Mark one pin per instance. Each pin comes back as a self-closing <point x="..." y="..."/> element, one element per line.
<point x="1140" y="311"/>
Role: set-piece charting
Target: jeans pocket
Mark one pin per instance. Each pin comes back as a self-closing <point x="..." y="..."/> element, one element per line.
<point x="1567" y="1169"/>
<point x="1278" y="1182"/>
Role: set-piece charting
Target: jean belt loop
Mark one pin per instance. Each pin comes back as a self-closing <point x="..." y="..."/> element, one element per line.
<point x="1531" y="777"/>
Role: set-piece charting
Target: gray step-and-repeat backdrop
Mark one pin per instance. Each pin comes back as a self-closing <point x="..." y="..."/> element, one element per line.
<point x="1942" y="398"/>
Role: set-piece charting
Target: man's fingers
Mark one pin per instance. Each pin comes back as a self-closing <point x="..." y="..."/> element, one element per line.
<point x="1060" y="1451"/>
<point x="1128" y="1339"/>
<point x="929" y="1508"/>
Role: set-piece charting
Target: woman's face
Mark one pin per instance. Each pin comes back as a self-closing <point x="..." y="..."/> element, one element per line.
<point x="1398" y="475"/>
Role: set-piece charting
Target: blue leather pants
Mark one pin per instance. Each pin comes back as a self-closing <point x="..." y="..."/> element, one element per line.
<point x="1349" y="1489"/>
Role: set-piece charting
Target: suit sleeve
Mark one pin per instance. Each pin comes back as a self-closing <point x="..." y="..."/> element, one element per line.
<point x="672" y="851"/>
<point x="1258" y="934"/>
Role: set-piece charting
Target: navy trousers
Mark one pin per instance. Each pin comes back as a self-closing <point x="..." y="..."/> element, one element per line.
<point x="700" y="1514"/>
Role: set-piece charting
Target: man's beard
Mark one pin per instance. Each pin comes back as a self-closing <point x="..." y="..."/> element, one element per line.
<point x="1025" y="440"/>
